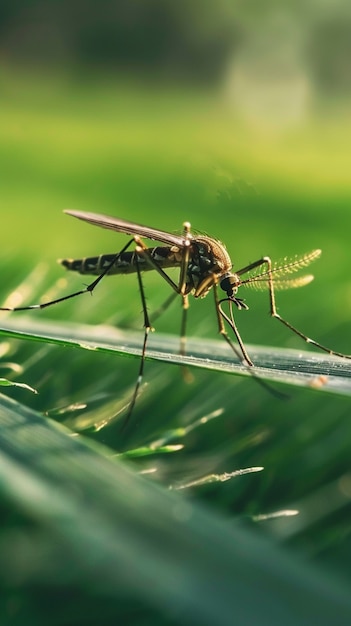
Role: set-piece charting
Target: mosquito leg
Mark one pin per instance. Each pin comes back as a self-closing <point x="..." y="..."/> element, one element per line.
<point x="221" y="328"/>
<point x="143" y="250"/>
<point x="185" y="263"/>
<point x="185" y="305"/>
<point x="147" y="329"/>
<point x="182" y="285"/>
<point x="246" y="360"/>
<point x="186" y="373"/>
<point x="275" y="314"/>
<point x="252" y="266"/>
<point x="182" y="349"/>
<point x="89" y="288"/>
<point x="179" y="289"/>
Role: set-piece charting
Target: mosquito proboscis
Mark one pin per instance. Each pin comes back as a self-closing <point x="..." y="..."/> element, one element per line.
<point x="204" y="265"/>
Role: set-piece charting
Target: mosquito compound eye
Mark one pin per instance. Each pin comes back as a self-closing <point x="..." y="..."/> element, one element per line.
<point x="229" y="284"/>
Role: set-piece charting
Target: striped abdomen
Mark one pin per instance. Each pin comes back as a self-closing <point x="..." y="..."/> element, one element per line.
<point x="125" y="263"/>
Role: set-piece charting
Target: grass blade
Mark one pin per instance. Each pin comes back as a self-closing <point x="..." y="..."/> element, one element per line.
<point x="124" y="542"/>
<point x="293" y="367"/>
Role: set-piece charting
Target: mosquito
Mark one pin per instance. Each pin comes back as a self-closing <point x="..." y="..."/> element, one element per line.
<point x="204" y="265"/>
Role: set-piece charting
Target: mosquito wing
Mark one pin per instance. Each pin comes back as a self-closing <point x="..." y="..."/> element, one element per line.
<point x="262" y="284"/>
<point x="129" y="228"/>
<point x="279" y="270"/>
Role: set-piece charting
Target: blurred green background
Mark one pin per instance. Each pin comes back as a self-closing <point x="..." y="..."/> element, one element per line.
<point x="235" y="117"/>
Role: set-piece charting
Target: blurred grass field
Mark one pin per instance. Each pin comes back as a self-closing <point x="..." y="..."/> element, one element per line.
<point x="160" y="158"/>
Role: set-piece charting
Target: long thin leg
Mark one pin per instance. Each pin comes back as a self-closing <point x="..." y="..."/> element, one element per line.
<point x="147" y="329"/>
<point x="267" y="261"/>
<point x="185" y="298"/>
<point x="186" y="373"/>
<point x="185" y="307"/>
<point x="252" y="266"/>
<point x="246" y="360"/>
<point x="142" y="250"/>
<point x="180" y="288"/>
<point x="220" y="316"/>
<point x="89" y="288"/>
<point x="185" y="261"/>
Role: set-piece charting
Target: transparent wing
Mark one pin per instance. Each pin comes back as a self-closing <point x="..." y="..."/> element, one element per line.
<point x="281" y="269"/>
<point x="129" y="228"/>
<point x="261" y="284"/>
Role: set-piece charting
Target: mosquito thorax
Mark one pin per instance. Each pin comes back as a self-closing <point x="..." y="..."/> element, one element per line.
<point x="230" y="283"/>
<point x="211" y="254"/>
<point x="208" y="262"/>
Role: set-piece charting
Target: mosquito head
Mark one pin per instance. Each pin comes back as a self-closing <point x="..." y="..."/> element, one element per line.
<point x="230" y="283"/>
